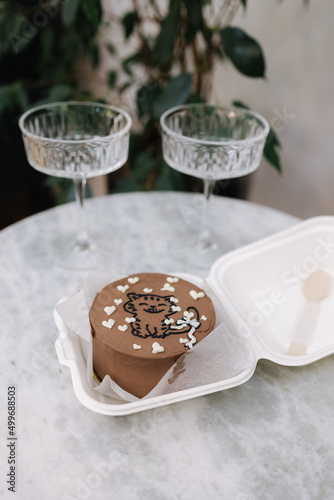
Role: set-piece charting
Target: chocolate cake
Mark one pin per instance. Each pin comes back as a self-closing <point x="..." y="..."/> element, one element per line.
<point x="142" y="324"/>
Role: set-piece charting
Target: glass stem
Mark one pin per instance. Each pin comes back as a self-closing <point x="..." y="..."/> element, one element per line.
<point x="204" y="236"/>
<point x="81" y="240"/>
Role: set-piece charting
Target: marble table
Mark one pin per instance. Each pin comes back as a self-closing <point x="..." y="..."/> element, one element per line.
<point x="270" y="438"/>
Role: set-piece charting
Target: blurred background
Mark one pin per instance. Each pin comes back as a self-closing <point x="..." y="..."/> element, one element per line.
<point x="147" y="55"/>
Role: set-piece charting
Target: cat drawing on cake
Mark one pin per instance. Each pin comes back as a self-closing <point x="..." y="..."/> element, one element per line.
<point x="152" y="313"/>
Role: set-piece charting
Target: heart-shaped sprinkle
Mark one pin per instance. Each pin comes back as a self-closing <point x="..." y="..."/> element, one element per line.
<point x="123" y="328"/>
<point x="196" y="295"/>
<point x="183" y="341"/>
<point x="108" y="324"/>
<point x="123" y="288"/>
<point x="148" y="290"/>
<point x="134" y="280"/>
<point x="188" y="314"/>
<point x="130" y="320"/>
<point x="172" y="279"/>
<point x="174" y="299"/>
<point x="169" y="321"/>
<point x="176" y="308"/>
<point x="136" y="346"/>
<point x="204" y="318"/>
<point x="156" y="348"/>
<point x="109" y="309"/>
<point x="167" y="287"/>
<point x="118" y="301"/>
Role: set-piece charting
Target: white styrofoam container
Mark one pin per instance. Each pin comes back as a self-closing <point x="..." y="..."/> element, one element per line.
<point x="259" y="290"/>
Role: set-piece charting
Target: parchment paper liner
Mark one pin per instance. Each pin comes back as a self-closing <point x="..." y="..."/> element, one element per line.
<point x="219" y="356"/>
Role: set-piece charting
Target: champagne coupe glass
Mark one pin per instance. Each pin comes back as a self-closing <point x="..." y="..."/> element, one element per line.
<point x="210" y="143"/>
<point x="77" y="140"/>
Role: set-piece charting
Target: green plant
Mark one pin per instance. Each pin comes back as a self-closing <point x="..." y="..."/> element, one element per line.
<point x="174" y="63"/>
<point x="40" y="44"/>
<point x="177" y="45"/>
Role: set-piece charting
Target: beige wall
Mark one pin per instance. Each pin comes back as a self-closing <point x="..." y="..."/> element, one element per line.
<point x="298" y="43"/>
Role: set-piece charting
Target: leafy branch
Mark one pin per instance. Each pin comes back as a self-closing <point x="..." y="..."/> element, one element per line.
<point x="178" y="64"/>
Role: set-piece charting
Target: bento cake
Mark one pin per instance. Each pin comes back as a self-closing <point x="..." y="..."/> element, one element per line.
<point x="142" y="324"/>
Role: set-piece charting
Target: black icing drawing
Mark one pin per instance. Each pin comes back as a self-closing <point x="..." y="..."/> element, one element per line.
<point x="150" y="310"/>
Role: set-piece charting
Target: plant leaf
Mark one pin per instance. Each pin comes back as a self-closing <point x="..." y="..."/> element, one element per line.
<point x="7" y="97"/>
<point x="164" y="183"/>
<point x="170" y="179"/>
<point x="112" y="78"/>
<point x="240" y="104"/>
<point x="13" y="96"/>
<point x="93" y="12"/>
<point x="176" y="92"/>
<point x="195" y="98"/>
<point x="243" y="51"/>
<point x="129" y="23"/>
<point x="58" y="92"/>
<point x="126" y="63"/>
<point x="111" y="48"/>
<point x="125" y="86"/>
<point x="68" y="11"/>
<point x="194" y="9"/>
<point x="143" y="165"/>
<point x="127" y="184"/>
<point x="16" y="32"/>
<point x="94" y="53"/>
<point x="165" y="41"/>
<point x="47" y="43"/>
<point x="146" y="97"/>
<point x="22" y="98"/>
<point x="272" y="142"/>
<point x="64" y="188"/>
<point x="270" y="153"/>
<point x="189" y="34"/>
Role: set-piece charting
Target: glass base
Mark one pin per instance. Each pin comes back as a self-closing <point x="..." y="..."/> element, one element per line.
<point x="193" y="253"/>
<point x="94" y="256"/>
<point x="79" y="258"/>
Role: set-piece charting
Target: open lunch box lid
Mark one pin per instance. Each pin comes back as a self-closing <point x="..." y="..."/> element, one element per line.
<point x="259" y="292"/>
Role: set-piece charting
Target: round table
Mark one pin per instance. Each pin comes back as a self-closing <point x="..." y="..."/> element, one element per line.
<point x="268" y="438"/>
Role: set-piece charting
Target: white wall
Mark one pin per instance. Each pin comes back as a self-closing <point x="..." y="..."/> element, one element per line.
<point x="298" y="43"/>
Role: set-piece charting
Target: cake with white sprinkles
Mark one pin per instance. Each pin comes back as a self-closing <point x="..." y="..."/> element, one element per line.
<point x="142" y="324"/>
